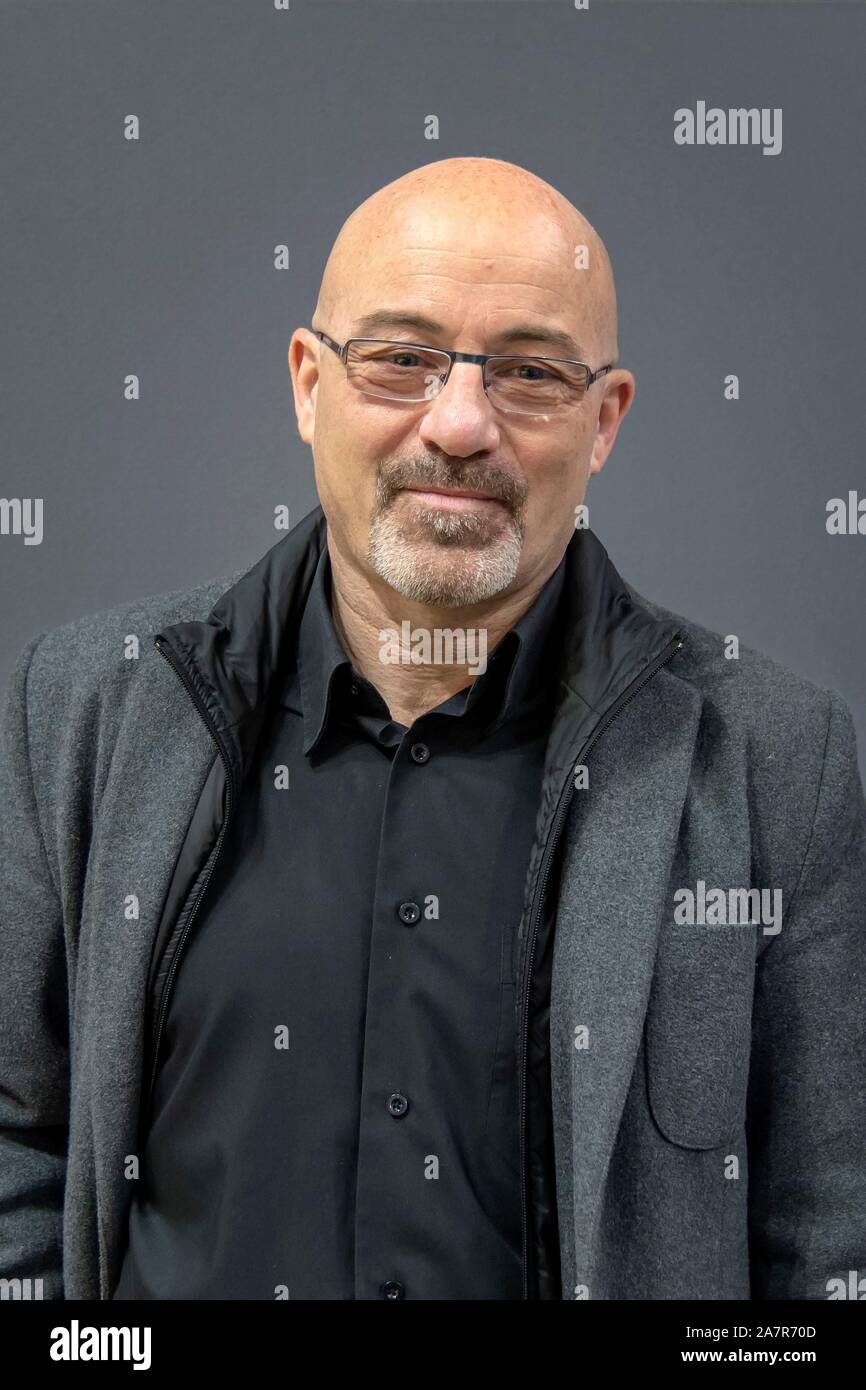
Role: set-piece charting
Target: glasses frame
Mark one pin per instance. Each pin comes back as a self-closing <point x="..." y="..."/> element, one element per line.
<point x="481" y="358"/>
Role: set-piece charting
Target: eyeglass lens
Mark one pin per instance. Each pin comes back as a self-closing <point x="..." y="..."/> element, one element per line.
<point x="528" y="385"/>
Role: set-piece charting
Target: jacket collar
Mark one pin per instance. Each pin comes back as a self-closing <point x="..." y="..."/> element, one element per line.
<point x="236" y="661"/>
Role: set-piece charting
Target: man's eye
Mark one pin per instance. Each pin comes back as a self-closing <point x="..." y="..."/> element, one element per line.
<point x="529" y="372"/>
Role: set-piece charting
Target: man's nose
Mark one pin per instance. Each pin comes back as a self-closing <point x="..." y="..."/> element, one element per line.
<point x="461" y="420"/>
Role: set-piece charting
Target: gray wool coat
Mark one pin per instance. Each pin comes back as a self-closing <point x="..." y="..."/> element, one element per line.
<point x="708" y="1076"/>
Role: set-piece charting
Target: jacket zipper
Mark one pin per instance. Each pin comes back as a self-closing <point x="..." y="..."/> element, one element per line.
<point x="163" y="1010"/>
<point x="558" y="821"/>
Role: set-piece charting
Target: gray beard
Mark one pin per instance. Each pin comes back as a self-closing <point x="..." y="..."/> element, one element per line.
<point x="466" y="566"/>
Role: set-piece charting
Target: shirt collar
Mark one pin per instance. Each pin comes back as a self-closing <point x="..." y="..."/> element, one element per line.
<point x="516" y="679"/>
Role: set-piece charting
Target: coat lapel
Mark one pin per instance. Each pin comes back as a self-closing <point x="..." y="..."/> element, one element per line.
<point x="613" y="895"/>
<point x="160" y="763"/>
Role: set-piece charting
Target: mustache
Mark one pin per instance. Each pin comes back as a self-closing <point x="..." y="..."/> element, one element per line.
<point x="432" y="473"/>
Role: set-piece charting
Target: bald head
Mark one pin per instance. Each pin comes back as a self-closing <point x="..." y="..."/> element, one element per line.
<point x="473" y="207"/>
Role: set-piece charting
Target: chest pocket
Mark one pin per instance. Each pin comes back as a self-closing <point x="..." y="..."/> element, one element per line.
<point x="698" y="1032"/>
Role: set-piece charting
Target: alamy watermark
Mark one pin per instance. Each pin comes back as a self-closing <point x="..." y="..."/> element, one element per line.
<point x="719" y="907"/>
<point x="77" y="1343"/>
<point x="438" y="646"/>
<point x="21" y="1289"/>
<point x="22" y="516"/>
<point x="738" y="125"/>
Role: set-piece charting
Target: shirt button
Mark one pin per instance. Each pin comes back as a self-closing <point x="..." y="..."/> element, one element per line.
<point x="353" y="688"/>
<point x="419" y="753"/>
<point x="392" y="1289"/>
<point x="409" y="913"/>
<point x="397" y="1104"/>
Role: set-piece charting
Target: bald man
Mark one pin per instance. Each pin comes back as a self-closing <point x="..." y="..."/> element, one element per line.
<point x="423" y="913"/>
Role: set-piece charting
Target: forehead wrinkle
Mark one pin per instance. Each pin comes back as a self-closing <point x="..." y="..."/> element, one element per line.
<point x="476" y="255"/>
<point x="583" y="303"/>
<point x="480" y="285"/>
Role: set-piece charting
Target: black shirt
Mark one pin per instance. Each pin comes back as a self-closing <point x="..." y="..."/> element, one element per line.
<point x="335" y="1114"/>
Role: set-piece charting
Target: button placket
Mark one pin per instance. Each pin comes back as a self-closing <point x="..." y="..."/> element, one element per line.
<point x="390" y="1065"/>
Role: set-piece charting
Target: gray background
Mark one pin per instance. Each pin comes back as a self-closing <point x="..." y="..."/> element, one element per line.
<point x="261" y="127"/>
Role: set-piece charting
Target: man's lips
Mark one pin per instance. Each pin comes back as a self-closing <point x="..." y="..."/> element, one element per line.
<point x="455" y="500"/>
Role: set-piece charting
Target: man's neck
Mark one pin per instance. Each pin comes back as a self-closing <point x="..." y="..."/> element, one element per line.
<point x="361" y="611"/>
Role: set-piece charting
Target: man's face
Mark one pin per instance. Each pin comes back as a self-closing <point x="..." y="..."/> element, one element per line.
<point x="379" y="462"/>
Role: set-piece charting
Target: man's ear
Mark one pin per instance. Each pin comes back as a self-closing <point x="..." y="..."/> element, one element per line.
<point x="616" y="403"/>
<point x="303" y="359"/>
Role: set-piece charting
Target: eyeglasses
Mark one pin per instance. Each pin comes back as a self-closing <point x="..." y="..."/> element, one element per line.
<point x="396" y="371"/>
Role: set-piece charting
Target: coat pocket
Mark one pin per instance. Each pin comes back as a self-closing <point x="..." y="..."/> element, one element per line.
<point x="697" y="1033"/>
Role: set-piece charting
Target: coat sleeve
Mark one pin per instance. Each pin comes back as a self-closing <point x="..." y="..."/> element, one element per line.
<point x="34" y="1032"/>
<point x="807" y="1090"/>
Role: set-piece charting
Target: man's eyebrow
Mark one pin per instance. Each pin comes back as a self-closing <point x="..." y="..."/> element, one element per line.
<point x="388" y="321"/>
